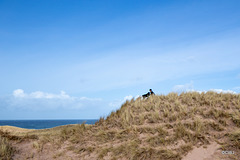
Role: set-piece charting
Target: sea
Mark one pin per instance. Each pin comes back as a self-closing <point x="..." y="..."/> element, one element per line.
<point x="43" y="124"/>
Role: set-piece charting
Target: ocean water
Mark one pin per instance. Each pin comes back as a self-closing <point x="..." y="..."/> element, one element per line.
<point x="43" y="124"/>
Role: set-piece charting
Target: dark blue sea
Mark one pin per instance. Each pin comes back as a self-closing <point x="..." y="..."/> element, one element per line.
<point x="43" y="124"/>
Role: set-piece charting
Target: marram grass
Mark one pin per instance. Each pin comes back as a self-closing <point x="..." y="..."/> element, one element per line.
<point x="160" y="127"/>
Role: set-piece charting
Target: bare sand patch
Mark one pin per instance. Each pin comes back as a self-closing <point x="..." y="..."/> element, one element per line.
<point x="202" y="153"/>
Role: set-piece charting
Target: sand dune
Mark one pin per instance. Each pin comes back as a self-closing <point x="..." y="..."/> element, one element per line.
<point x="189" y="126"/>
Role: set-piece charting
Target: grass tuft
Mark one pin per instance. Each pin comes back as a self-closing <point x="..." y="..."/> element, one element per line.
<point x="6" y="150"/>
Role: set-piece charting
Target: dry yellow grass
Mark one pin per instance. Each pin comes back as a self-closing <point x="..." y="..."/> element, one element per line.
<point x="6" y="150"/>
<point x="160" y="127"/>
<point x="14" y="130"/>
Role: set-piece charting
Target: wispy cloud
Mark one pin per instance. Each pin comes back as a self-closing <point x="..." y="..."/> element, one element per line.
<point x="122" y="68"/>
<point x="237" y="89"/>
<point x="47" y="101"/>
<point x="223" y="91"/>
<point x="19" y="93"/>
<point x="189" y="87"/>
<point x="183" y="87"/>
<point x="117" y="103"/>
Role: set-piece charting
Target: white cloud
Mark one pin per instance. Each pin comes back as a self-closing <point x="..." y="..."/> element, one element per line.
<point x="117" y="103"/>
<point x="19" y="93"/>
<point x="44" y="101"/>
<point x="91" y="99"/>
<point x="128" y="98"/>
<point x="190" y="88"/>
<point x="183" y="88"/>
<point x="222" y="91"/>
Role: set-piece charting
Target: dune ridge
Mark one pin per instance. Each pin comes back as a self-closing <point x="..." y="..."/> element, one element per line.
<point x="167" y="127"/>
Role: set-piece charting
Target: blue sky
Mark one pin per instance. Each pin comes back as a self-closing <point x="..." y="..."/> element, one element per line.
<point x="81" y="59"/>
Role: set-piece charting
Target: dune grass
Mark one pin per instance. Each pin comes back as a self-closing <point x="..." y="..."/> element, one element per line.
<point x="159" y="127"/>
<point x="6" y="150"/>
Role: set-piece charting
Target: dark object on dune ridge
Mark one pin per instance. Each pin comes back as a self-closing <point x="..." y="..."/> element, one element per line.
<point x="148" y="94"/>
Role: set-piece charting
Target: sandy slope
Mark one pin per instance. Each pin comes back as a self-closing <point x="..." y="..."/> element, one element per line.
<point x="190" y="126"/>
